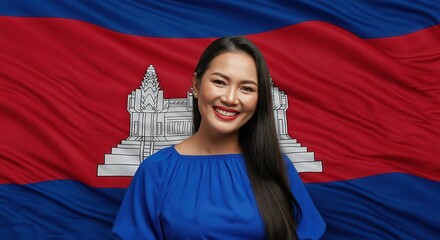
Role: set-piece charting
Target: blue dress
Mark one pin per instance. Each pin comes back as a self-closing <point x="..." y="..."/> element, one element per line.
<point x="174" y="196"/>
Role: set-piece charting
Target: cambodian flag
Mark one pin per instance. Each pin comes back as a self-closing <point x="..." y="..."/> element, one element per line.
<point x="361" y="80"/>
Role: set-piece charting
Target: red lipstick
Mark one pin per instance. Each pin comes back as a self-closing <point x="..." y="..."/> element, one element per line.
<point x="223" y="116"/>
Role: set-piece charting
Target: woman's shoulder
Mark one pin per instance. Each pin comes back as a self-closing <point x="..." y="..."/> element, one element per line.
<point x="159" y="158"/>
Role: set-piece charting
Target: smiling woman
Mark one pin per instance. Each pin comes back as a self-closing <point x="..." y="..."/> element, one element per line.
<point x="227" y="97"/>
<point x="229" y="180"/>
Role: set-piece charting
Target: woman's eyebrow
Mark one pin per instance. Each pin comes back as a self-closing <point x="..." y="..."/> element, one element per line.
<point x="221" y="75"/>
<point x="249" y="82"/>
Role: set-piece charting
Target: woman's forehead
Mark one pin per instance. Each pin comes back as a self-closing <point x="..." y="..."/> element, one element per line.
<point x="233" y="65"/>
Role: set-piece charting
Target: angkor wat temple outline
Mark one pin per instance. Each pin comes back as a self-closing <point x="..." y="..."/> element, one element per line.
<point x="156" y="123"/>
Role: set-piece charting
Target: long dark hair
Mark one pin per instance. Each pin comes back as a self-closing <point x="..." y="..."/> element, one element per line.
<point x="259" y="143"/>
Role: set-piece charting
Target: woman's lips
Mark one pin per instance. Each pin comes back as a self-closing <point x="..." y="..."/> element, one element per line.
<point x="225" y="113"/>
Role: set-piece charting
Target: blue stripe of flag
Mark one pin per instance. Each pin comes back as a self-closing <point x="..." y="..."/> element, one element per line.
<point x="195" y="19"/>
<point x="387" y="206"/>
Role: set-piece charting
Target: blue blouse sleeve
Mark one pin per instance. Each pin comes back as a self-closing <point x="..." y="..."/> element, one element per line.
<point x="138" y="216"/>
<point x="311" y="225"/>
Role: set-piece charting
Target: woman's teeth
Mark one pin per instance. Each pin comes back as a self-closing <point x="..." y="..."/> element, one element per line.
<point x="225" y="113"/>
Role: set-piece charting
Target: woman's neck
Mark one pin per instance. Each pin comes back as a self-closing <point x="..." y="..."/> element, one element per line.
<point x="206" y="143"/>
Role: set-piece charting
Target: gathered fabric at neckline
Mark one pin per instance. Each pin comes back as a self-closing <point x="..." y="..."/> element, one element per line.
<point x="207" y="156"/>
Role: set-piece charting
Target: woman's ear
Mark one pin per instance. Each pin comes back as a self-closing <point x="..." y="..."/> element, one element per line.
<point x="195" y="85"/>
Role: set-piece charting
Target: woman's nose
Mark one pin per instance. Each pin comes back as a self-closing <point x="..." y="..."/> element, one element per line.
<point x="229" y="98"/>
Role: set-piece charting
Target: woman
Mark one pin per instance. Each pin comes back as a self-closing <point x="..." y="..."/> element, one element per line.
<point x="229" y="180"/>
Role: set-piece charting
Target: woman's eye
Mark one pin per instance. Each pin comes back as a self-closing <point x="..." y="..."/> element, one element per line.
<point x="219" y="82"/>
<point x="247" y="89"/>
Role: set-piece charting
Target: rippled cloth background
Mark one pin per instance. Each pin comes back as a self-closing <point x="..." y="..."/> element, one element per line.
<point x="362" y="79"/>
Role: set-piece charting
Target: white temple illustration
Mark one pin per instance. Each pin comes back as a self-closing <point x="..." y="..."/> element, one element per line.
<point x="156" y="123"/>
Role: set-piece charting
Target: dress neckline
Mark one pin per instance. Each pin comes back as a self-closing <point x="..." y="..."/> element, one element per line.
<point x="225" y="155"/>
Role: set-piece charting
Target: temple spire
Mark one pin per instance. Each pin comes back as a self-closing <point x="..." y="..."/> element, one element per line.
<point x="150" y="89"/>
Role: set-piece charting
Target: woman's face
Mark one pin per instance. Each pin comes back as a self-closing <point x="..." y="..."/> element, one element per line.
<point x="227" y="93"/>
